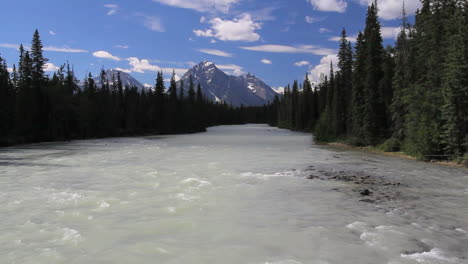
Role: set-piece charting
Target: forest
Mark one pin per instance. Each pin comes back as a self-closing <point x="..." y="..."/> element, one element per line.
<point x="35" y="107"/>
<point x="410" y="97"/>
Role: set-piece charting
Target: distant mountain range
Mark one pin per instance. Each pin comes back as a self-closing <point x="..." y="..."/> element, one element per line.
<point x="245" y="90"/>
<point x="127" y="79"/>
<point x="218" y="86"/>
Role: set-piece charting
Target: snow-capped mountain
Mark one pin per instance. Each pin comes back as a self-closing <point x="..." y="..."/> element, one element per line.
<point x="245" y="90"/>
<point x="127" y="79"/>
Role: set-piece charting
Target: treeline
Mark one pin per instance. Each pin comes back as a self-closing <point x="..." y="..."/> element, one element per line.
<point x="35" y="107"/>
<point x="411" y="97"/>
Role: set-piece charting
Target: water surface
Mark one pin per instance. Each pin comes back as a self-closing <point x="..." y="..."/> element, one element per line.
<point x="236" y="194"/>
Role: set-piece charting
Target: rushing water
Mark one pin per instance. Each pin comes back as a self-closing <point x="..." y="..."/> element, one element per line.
<point x="236" y="194"/>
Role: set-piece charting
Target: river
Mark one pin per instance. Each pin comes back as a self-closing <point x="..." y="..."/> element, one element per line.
<point x="235" y="194"/>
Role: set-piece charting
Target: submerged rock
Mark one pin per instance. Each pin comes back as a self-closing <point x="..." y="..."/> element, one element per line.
<point x="365" y="192"/>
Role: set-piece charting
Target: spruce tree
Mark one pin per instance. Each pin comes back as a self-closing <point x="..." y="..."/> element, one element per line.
<point x="455" y="92"/>
<point x="173" y="88"/>
<point x="159" y="101"/>
<point x="357" y="93"/>
<point x="343" y="92"/>
<point x="400" y="83"/>
<point x="424" y="120"/>
<point x="38" y="82"/>
<point x="374" y="116"/>
<point x="191" y="91"/>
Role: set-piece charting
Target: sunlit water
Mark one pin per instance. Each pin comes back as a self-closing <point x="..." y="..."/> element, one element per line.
<point x="236" y="194"/>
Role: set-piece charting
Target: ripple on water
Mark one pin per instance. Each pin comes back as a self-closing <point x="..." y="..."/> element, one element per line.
<point x="287" y="261"/>
<point x="269" y="175"/>
<point x="435" y="255"/>
<point x="71" y="236"/>
<point x="196" y="182"/>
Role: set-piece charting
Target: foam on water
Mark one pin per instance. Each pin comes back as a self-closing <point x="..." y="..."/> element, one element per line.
<point x="434" y="256"/>
<point x="195" y="181"/>
<point x="71" y="235"/>
<point x="236" y="194"/>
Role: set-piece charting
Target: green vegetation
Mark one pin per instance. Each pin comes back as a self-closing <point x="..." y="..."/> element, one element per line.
<point x="412" y="97"/>
<point x="35" y="107"/>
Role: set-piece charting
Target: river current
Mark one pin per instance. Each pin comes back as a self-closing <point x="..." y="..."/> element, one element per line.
<point x="235" y="194"/>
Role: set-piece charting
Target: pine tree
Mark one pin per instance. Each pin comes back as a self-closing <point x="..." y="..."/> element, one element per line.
<point x="24" y="117"/>
<point x="173" y="88"/>
<point x="191" y="91"/>
<point x="37" y="60"/>
<point x="374" y="116"/>
<point x="400" y="83"/>
<point x="455" y="92"/>
<point x="424" y="119"/>
<point x="342" y="97"/>
<point x="181" y="91"/>
<point x="159" y="101"/>
<point x="357" y="95"/>
<point x="39" y="105"/>
<point x="199" y="95"/>
<point x="6" y="101"/>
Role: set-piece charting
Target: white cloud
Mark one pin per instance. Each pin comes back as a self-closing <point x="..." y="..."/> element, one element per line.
<point x="239" y="29"/>
<point x="191" y="63"/>
<point x="301" y="63"/>
<point x="49" y="67"/>
<point x="51" y="32"/>
<point x="310" y="49"/>
<point x="105" y="55"/>
<point x="213" y="41"/>
<point x="329" y="5"/>
<point x="387" y="33"/>
<point x="9" y="46"/>
<point x="323" y="30"/>
<point x="122" y="46"/>
<point x="310" y="20"/>
<point x="216" y="52"/>
<point x="264" y="14"/>
<point x="178" y="71"/>
<point x="390" y="32"/>
<point x="201" y="5"/>
<point x="63" y="49"/>
<point x="323" y="68"/>
<point x="47" y="48"/>
<point x="348" y="38"/>
<point x="202" y="19"/>
<point x="392" y="9"/>
<point x="10" y="70"/>
<point x="266" y="61"/>
<point x="142" y="65"/>
<point x="204" y="33"/>
<point x="152" y="23"/>
<point x="177" y="78"/>
<point x="112" y="9"/>
<point x="231" y="69"/>
<point x="123" y="70"/>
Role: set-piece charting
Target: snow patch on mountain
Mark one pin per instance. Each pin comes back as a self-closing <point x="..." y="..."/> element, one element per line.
<point x="218" y="86"/>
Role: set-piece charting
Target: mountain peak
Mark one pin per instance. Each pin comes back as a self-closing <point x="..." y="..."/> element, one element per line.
<point x="236" y="90"/>
<point x="127" y="79"/>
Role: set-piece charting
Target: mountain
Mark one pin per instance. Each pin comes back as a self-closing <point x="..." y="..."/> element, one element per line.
<point x="218" y="86"/>
<point x="127" y="79"/>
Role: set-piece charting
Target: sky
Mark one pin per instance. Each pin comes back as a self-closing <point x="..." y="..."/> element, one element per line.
<point x="276" y="40"/>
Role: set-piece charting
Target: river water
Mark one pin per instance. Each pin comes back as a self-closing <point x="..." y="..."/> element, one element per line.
<point x="236" y="194"/>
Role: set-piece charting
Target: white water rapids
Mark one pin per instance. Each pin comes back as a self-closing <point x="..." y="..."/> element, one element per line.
<point x="236" y="194"/>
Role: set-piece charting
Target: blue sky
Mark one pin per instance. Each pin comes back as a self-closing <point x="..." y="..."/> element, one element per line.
<point x="278" y="40"/>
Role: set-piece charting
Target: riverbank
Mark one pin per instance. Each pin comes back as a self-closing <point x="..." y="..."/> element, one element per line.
<point x="374" y="150"/>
